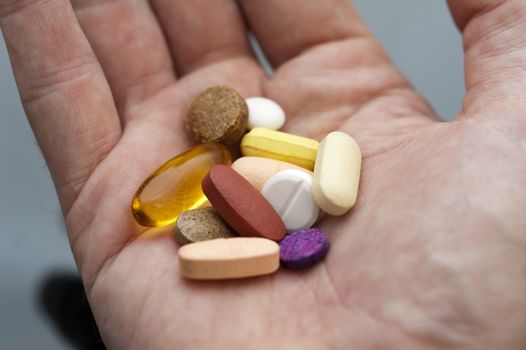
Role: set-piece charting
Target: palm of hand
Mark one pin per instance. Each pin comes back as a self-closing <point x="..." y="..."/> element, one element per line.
<point x="417" y="263"/>
<point x="401" y="263"/>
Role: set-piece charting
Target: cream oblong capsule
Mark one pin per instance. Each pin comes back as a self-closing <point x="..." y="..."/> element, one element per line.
<point x="227" y="258"/>
<point x="298" y="150"/>
<point x="337" y="173"/>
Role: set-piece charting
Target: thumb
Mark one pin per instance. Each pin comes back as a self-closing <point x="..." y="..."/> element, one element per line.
<point x="494" y="37"/>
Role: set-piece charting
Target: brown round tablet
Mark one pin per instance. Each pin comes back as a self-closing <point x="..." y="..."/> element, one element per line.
<point x="241" y="205"/>
<point x="201" y="224"/>
<point x="218" y="114"/>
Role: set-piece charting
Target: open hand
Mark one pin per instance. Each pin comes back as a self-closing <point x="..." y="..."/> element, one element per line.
<point x="433" y="255"/>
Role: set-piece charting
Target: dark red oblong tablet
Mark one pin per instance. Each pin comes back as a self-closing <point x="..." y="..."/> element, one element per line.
<point x="241" y="205"/>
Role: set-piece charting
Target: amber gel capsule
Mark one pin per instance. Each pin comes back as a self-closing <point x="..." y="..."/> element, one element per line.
<point x="176" y="186"/>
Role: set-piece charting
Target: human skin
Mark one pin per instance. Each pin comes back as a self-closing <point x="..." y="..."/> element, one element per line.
<point x="433" y="256"/>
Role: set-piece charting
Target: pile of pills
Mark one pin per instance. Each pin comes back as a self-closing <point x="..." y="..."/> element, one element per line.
<point x="247" y="218"/>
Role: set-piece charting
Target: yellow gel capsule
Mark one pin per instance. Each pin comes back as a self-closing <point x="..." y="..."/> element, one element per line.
<point x="176" y="186"/>
<point x="261" y="142"/>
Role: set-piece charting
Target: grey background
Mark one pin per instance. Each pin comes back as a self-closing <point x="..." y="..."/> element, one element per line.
<point x="420" y="37"/>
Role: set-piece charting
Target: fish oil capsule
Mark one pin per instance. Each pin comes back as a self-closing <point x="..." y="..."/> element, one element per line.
<point x="176" y="186"/>
<point x="298" y="150"/>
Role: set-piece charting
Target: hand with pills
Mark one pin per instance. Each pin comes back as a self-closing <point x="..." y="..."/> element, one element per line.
<point x="211" y="205"/>
<point x="267" y="197"/>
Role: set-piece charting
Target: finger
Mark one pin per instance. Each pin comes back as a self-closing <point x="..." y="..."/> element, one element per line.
<point x="65" y="94"/>
<point x="331" y="68"/>
<point x="129" y="44"/>
<point x="203" y="32"/>
<point x="287" y="28"/>
<point x="494" y="35"/>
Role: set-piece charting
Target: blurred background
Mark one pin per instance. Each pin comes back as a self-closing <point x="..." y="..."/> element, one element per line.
<point x="34" y="252"/>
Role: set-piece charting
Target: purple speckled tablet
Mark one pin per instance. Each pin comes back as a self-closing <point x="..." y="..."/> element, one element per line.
<point x="303" y="248"/>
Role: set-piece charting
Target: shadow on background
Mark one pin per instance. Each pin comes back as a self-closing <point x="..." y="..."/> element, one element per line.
<point x="62" y="298"/>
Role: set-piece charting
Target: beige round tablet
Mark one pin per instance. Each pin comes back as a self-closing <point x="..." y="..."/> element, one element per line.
<point x="258" y="170"/>
<point x="202" y="224"/>
<point x="227" y="258"/>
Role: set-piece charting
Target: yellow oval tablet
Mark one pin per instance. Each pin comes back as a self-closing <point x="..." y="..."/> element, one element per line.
<point x="227" y="258"/>
<point x="258" y="170"/>
<point x="261" y="142"/>
<point x="337" y="173"/>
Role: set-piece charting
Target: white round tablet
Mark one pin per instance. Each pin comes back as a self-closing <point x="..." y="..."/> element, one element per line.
<point x="264" y="113"/>
<point x="290" y="194"/>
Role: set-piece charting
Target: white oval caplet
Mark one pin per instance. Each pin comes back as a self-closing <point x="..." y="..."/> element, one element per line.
<point x="264" y="113"/>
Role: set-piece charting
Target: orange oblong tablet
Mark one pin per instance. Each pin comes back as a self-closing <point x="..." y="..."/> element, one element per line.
<point x="227" y="258"/>
<point x="258" y="170"/>
<point x="241" y="205"/>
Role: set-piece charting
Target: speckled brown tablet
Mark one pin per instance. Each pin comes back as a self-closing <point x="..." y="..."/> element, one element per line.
<point x="218" y="114"/>
<point x="201" y="224"/>
<point x="241" y="205"/>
